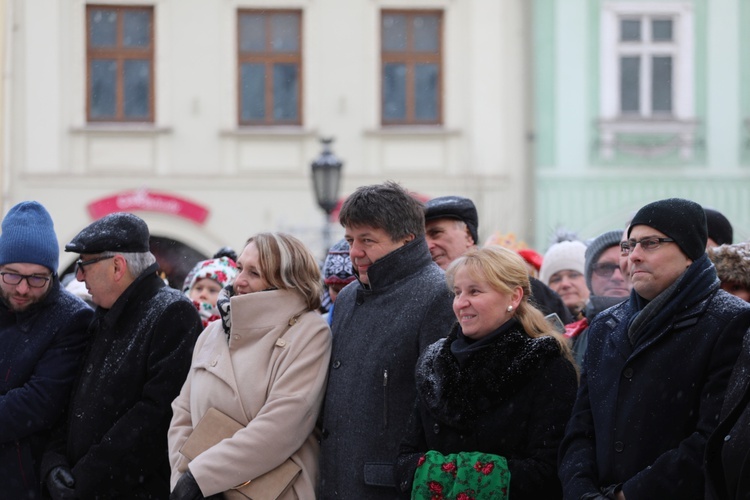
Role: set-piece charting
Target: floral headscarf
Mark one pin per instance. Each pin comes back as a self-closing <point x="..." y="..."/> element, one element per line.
<point x="222" y="270"/>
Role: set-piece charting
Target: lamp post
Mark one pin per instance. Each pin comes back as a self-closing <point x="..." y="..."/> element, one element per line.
<point x="326" y="174"/>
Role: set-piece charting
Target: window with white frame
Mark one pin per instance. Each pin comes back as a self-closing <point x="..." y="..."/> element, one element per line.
<point x="647" y="71"/>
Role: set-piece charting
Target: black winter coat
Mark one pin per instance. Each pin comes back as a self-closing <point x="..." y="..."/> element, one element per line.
<point x="727" y="460"/>
<point x="40" y="350"/>
<point x="643" y="412"/>
<point x="115" y="437"/>
<point x="512" y="399"/>
<point x="378" y="334"/>
<point x="548" y="301"/>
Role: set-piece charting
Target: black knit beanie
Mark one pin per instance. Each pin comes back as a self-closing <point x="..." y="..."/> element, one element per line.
<point x="682" y="220"/>
<point x="719" y="227"/>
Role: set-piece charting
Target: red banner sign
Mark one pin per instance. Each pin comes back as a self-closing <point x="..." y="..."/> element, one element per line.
<point x="149" y="201"/>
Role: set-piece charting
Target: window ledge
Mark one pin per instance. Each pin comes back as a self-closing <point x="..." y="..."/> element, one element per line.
<point x="280" y="131"/>
<point x="675" y="135"/>
<point x="121" y="129"/>
<point x="413" y="130"/>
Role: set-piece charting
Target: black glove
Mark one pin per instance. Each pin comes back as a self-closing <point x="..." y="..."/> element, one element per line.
<point x="611" y="491"/>
<point x="186" y="488"/>
<point x="60" y="483"/>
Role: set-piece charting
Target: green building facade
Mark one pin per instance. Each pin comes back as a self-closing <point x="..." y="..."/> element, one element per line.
<point x="637" y="100"/>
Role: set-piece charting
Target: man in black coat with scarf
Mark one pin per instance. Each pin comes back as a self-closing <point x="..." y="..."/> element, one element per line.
<point x="656" y="368"/>
<point x="42" y="337"/>
<point x="114" y="443"/>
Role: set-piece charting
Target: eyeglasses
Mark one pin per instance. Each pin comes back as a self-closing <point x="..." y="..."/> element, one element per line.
<point x="605" y="269"/>
<point x="33" y="280"/>
<point x="80" y="264"/>
<point x="647" y="244"/>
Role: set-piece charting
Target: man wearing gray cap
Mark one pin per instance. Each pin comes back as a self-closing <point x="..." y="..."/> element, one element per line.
<point x="451" y="229"/>
<point x="656" y="368"/>
<point x="114" y="443"/>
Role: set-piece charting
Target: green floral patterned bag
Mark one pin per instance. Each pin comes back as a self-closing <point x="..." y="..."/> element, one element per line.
<point x="461" y="476"/>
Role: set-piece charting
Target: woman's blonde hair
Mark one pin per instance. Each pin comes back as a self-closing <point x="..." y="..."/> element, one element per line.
<point x="287" y="264"/>
<point x="504" y="270"/>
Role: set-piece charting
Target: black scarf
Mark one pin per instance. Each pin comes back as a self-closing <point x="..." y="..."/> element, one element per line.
<point x="694" y="285"/>
<point x="489" y="373"/>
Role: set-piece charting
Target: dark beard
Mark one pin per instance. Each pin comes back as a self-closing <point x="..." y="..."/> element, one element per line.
<point x="5" y="298"/>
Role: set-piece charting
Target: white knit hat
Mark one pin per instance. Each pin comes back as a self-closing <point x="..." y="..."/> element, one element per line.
<point x="563" y="255"/>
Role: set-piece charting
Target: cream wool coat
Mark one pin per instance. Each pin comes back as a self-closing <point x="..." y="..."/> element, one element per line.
<point x="268" y="377"/>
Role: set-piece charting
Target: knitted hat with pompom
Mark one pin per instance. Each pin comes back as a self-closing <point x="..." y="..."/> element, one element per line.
<point x="561" y="256"/>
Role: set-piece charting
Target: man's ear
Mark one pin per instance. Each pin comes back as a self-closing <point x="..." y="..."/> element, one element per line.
<point x="120" y="267"/>
<point x="409" y="238"/>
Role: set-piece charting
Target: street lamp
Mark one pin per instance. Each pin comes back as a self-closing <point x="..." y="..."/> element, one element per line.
<point x="326" y="174"/>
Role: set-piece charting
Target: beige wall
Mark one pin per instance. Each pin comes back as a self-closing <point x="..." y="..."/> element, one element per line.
<point x="252" y="179"/>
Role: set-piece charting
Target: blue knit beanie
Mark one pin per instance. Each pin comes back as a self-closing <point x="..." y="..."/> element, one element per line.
<point x="28" y="236"/>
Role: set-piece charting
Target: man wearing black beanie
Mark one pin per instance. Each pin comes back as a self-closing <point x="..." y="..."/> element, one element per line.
<point x="656" y="368"/>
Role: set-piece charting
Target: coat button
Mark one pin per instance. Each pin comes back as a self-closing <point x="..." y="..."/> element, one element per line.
<point x="213" y="363"/>
<point x="236" y="337"/>
<point x="436" y="428"/>
<point x="619" y="446"/>
<point x="336" y="364"/>
<point x="727" y="437"/>
<point x="404" y="486"/>
<point x="628" y="373"/>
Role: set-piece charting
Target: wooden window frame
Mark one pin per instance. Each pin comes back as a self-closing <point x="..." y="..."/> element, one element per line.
<point x="268" y="59"/>
<point x="120" y="54"/>
<point x="410" y="58"/>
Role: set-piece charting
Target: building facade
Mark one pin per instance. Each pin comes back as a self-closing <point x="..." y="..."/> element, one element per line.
<point x="640" y="100"/>
<point x="203" y="117"/>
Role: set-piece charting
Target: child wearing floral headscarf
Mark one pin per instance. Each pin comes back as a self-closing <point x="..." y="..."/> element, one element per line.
<point x="205" y="281"/>
<point x="337" y="272"/>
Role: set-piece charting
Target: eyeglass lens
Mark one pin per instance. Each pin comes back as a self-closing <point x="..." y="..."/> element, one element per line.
<point x="605" y="270"/>
<point x="32" y="280"/>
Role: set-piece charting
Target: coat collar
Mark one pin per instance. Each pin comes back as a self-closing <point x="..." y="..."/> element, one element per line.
<point x="457" y="394"/>
<point x="266" y="309"/>
<point x="147" y="281"/>
<point x="398" y="265"/>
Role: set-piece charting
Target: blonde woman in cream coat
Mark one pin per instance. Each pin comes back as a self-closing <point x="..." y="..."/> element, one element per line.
<point x="256" y="368"/>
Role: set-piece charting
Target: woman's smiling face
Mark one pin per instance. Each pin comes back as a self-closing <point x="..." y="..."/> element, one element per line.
<point x="479" y="308"/>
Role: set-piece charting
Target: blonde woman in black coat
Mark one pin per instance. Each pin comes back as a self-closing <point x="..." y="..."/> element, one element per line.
<point x="501" y="385"/>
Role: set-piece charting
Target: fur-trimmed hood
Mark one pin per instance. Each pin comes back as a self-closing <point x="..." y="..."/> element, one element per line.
<point x="732" y="262"/>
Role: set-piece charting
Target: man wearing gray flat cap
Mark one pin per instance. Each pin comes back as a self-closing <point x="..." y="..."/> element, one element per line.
<point x="451" y="230"/>
<point x="114" y="442"/>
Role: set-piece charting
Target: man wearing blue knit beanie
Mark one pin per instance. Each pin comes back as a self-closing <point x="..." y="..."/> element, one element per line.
<point x="42" y="336"/>
<point x="656" y="368"/>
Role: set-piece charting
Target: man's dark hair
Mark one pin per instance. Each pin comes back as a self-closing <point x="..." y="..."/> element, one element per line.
<point x="386" y="206"/>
